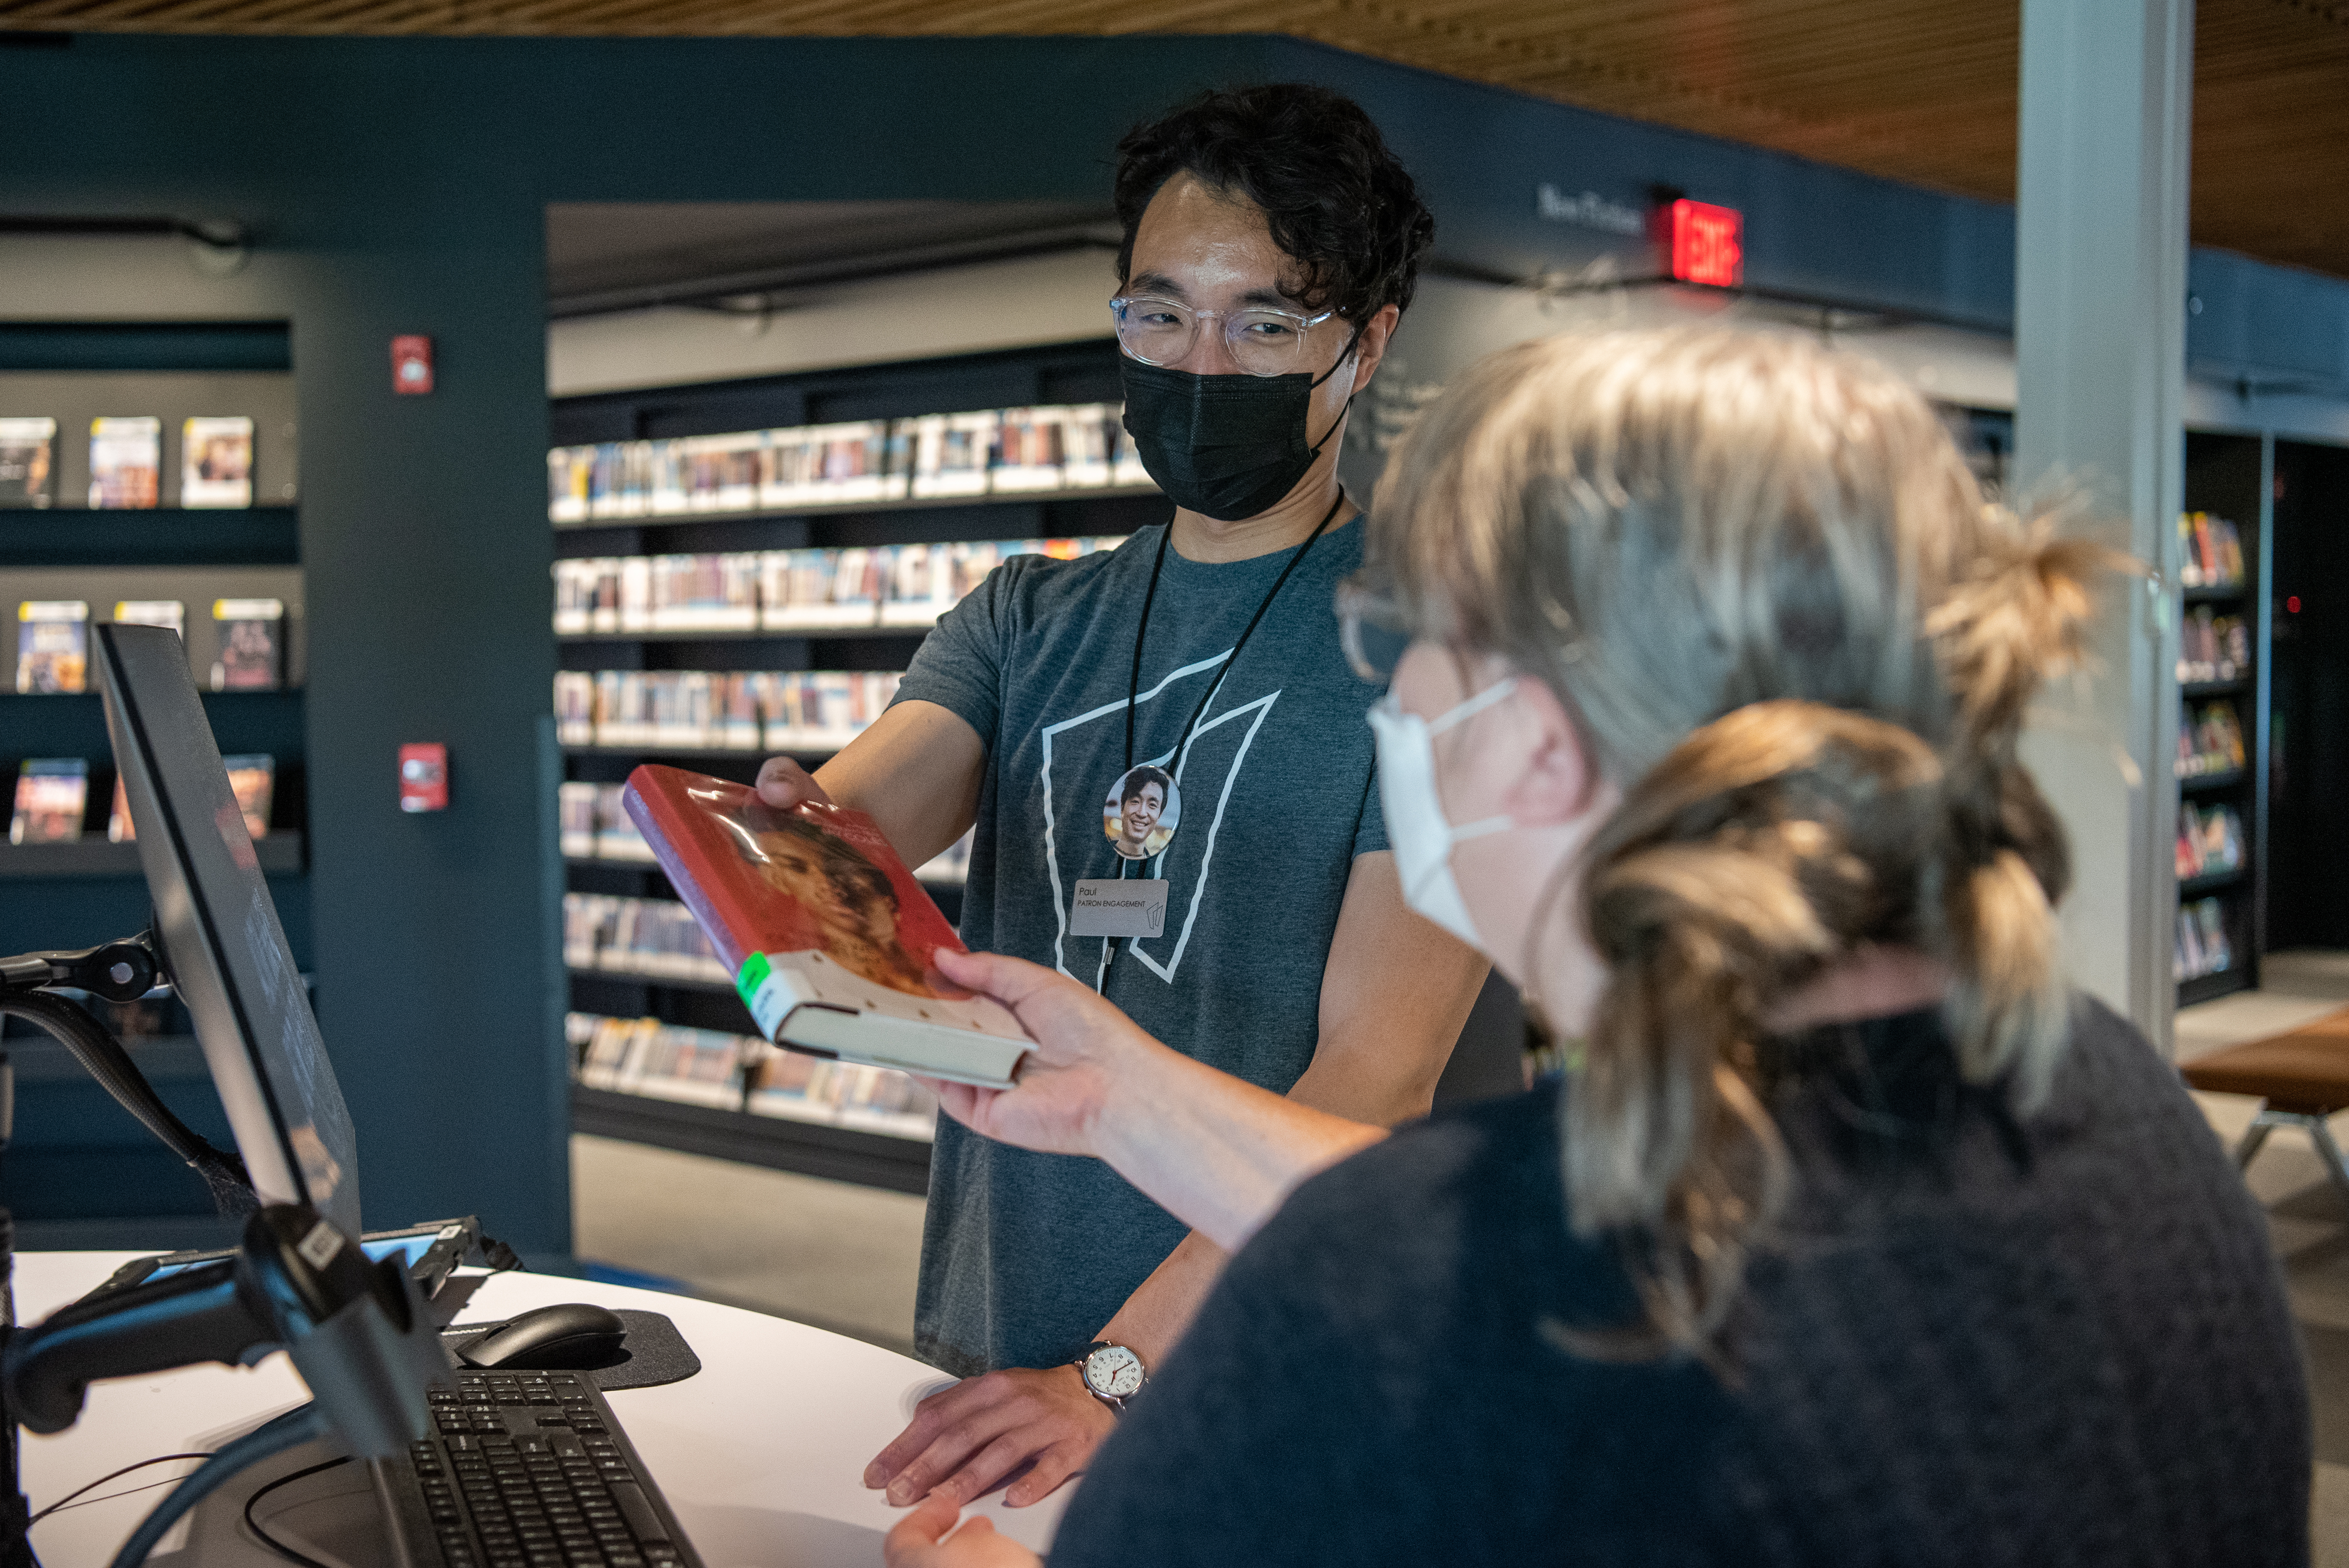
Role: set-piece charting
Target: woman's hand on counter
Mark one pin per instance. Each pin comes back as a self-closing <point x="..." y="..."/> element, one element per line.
<point x="920" y="1541"/>
<point x="965" y="1440"/>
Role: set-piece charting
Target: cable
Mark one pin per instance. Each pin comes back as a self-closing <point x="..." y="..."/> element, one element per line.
<point x="142" y="1464"/>
<point x="272" y="1541"/>
<point x="294" y="1426"/>
<point x="98" y="1051"/>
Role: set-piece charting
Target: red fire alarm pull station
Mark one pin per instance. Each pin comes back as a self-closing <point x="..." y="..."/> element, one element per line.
<point x="1708" y="244"/>
<point x="411" y="365"/>
<point x="424" y="776"/>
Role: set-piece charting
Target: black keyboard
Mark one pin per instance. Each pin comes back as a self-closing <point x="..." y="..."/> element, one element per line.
<point x="528" y="1470"/>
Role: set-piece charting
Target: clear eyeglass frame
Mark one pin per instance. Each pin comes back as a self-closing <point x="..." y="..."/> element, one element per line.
<point x="1372" y="631"/>
<point x="1261" y="340"/>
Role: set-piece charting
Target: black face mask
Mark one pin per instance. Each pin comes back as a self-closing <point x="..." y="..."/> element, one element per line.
<point x="1227" y="447"/>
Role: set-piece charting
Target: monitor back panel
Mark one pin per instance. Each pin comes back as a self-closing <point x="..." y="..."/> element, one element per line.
<point x="222" y="940"/>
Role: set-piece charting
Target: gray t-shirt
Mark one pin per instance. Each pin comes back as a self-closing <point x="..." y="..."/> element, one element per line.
<point x="1025" y="1256"/>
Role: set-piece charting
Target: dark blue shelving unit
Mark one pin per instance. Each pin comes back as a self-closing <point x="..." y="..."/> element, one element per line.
<point x="2227" y="476"/>
<point x="78" y="1171"/>
<point x="164" y="536"/>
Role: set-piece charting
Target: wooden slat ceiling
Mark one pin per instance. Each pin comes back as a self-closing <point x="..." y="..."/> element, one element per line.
<point x="1922" y="91"/>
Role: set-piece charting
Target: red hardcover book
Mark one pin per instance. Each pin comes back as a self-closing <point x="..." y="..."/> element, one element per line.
<point x="827" y="934"/>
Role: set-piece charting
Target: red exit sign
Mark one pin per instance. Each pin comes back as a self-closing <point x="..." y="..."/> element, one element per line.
<point x="1708" y="244"/>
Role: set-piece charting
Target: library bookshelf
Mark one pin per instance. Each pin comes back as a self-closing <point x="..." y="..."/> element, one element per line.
<point x="834" y="1142"/>
<point x="75" y="1166"/>
<point x="2221" y="601"/>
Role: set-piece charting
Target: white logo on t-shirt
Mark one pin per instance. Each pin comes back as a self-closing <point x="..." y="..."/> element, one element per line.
<point x="1087" y="795"/>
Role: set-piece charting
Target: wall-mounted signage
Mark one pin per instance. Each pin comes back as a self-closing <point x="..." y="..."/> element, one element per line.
<point x="1589" y="210"/>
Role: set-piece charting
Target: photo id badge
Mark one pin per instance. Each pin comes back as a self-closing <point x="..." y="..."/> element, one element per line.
<point x="1141" y="812"/>
<point x="1119" y="907"/>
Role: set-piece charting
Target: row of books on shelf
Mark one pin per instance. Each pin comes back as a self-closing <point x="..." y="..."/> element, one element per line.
<point x="986" y="452"/>
<point x="593" y="827"/>
<point x="2202" y="945"/>
<point x="653" y="938"/>
<point x="2209" y="740"/>
<point x="787" y="590"/>
<point x="748" y="711"/>
<point x="2209" y="841"/>
<point x="2212" y="647"/>
<point x="708" y="1067"/>
<point x="2209" y="552"/>
<point x="53" y="641"/>
<point x="126" y="462"/>
<point x="53" y="799"/>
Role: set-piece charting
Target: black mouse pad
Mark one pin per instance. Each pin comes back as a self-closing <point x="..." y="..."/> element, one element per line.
<point x="654" y="1352"/>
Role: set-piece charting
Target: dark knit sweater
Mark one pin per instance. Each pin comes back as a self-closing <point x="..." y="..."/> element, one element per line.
<point x="1970" y="1343"/>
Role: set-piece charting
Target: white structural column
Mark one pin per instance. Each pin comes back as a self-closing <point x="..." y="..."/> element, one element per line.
<point x="2100" y="330"/>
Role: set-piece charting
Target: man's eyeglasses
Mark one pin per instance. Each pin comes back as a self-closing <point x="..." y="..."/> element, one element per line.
<point x="1262" y="341"/>
<point x="1370" y="629"/>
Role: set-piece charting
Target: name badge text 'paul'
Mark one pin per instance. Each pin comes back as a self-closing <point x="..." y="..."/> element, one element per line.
<point x="1114" y="907"/>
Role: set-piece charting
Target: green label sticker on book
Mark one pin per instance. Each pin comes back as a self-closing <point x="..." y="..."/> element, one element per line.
<point x="763" y="993"/>
<point x="751" y="976"/>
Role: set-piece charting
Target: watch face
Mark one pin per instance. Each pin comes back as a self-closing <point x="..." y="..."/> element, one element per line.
<point x="1113" y="1370"/>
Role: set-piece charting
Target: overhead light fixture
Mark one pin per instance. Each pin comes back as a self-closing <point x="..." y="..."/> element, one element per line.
<point x="755" y="295"/>
<point x="217" y="246"/>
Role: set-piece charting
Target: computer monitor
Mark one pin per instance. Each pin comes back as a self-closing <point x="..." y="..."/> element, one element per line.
<point x="221" y="942"/>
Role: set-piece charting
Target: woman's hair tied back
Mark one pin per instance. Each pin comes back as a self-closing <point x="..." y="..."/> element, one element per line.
<point x="1763" y="580"/>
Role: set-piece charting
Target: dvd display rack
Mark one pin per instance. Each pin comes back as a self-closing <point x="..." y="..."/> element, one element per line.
<point x="2222" y="718"/>
<point x="742" y="570"/>
<point x="151" y="488"/>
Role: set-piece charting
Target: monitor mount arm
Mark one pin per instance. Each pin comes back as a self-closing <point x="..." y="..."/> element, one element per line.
<point x="356" y="1331"/>
<point x="117" y="972"/>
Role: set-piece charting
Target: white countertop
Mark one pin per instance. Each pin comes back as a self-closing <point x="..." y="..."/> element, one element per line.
<point x="761" y="1453"/>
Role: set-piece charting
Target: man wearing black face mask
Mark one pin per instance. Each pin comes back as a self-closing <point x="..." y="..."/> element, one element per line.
<point x="1271" y="244"/>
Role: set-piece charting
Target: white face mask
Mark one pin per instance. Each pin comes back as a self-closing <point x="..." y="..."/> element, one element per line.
<point x="1417" y="830"/>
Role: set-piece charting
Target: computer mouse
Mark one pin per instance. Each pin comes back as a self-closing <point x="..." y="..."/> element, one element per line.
<point x="572" y="1337"/>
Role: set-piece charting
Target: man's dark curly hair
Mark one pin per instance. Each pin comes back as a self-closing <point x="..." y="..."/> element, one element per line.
<point x="1338" y="201"/>
<point x="1131" y="784"/>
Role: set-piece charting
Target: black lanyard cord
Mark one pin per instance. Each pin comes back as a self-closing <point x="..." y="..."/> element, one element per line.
<point x="1134" y="681"/>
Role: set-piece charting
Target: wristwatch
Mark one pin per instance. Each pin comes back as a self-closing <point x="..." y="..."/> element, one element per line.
<point x="1112" y="1373"/>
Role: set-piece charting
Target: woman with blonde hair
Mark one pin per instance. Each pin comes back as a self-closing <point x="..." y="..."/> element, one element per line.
<point x="1845" y="1231"/>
